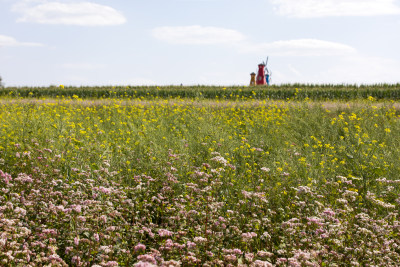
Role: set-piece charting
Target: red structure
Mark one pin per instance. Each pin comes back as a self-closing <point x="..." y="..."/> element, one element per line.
<point x="261" y="75"/>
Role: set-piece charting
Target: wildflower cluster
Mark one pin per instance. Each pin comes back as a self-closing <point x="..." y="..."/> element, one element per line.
<point x="184" y="183"/>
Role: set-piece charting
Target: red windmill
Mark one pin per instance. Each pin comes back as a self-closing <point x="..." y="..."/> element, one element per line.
<point x="261" y="75"/>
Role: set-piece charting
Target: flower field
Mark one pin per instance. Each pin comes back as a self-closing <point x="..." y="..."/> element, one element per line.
<point x="166" y="180"/>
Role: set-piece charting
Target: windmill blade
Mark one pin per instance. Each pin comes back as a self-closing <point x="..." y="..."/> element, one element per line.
<point x="266" y="68"/>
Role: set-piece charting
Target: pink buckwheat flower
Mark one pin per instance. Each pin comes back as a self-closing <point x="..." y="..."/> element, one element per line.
<point x="76" y="241"/>
<point x="148" y="258"/>
<point x="111" y="264"/>
<point x="96" y="237"/>
<point x="164" y="232"/>
<point x="140" y="247"/>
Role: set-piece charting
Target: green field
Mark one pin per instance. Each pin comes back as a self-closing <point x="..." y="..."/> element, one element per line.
<point x="281" y="92"/>
<point x="291" y="175"/>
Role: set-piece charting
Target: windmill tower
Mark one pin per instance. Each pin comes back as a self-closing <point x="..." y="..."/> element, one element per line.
<point x="263" y="74"/>
<point x="252" y="79"/>
<point x="260" y="80"/>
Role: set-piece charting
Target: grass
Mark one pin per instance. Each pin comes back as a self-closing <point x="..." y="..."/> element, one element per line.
<point x="193" y="181"/>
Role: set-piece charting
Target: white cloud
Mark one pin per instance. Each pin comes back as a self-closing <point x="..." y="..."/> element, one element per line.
<point x="68" y="13"/>
<point x="10" y="41"/>
<point x="362" y="70"/>
<point x="299" y="47"/>
<point x="354" y="69"/>
<point x="324" y="8"/>
<point x="197" y="35"/>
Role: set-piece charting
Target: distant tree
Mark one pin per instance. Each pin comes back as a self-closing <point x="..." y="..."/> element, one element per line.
<point x="1" y="84"/>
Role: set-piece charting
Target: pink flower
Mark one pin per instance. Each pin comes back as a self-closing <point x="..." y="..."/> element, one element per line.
<point x="190" y="245"/>
<point x="140" y="247"/>
<point x="96" y="237"/>
<point x="230" y="258"/>
<point x="24" y="178"/>
<point x="248" y="236"/>
<point x="199" y="239"/>
<point x="144" y="264"/>
<point x="237" y="251"/>
<point x="111" y="264"/>
<point x="147" y="258"/>
<point x="329" y="212"/>
<point x="76" y="260"/>
<point x="249" y="257"/>
<point x="264" y="254"/>
<point x="103" y="218"/>
<point x="265" y="169"/>
<point x="105" y="190"/>
<point x="6" y="177"/>
<point x="76" y="241"/>
<point x="220" y="159"/>
<point x="259" y="263"/>
<point x="77" y="208"/>
<point x="164" y="232"/>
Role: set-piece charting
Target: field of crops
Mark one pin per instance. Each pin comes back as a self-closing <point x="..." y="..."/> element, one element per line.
<point x="281" y="92"/>
<point x="203" y="176"/>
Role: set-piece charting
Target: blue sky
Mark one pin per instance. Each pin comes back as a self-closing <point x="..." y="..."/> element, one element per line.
<point x="211" y="42"/>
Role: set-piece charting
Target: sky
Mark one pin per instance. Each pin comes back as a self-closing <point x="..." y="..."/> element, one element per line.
<point x="191" y="42"/>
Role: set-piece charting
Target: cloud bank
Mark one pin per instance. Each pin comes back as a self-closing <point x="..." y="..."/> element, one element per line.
<point x="68" y="13"/>
<point x="327" y="8"/>
<point x="10" y="41"/>
<point x="197" y="35"/>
